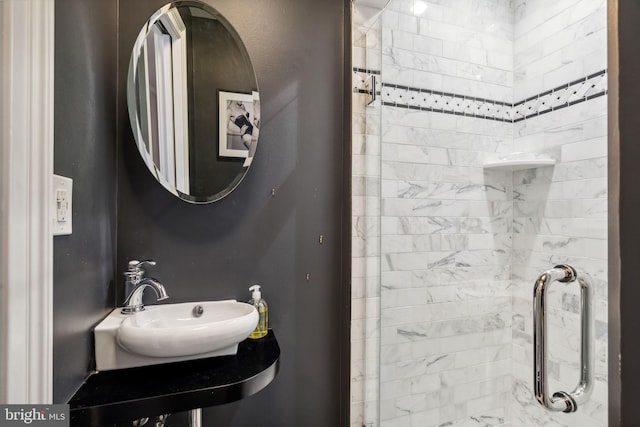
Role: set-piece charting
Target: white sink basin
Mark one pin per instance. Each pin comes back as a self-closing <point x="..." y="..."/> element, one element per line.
<point x="172" y="332"/>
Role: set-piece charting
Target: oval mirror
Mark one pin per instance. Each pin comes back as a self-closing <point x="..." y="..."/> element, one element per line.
<point x="193" y="101"/>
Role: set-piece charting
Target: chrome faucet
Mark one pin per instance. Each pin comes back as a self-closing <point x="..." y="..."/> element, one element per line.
<point x="135" y="277"/>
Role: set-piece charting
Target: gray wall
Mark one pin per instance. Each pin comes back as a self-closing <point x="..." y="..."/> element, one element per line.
<point x="212" y="251"/>
<point x="215" y="251"/>
<point x="624" y="207"/>
<point x="84" y="138"/>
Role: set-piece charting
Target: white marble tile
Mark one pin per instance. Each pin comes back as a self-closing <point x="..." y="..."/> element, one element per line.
<point x="543" y="24"/>
<point x="484" y="41"/>
<point x="501" y="60"/>
<point x="400" y="39"/>
<point x="543" y="65"/>
<point x="563" y="74"/>
<point x="593" y="43"/>
<point x="440" y="30"/>
<point x="403" y="297"/>
<point x="422" y="79"/>
<point x="578" y="22"/>
<point x="526" y="86"/>
<point x="430" y="417"/>
<point x="415" y="154"/>
<point x="586" y="149"/>
<point x="462" y="52"/>
<point x="477" y="88"/>
<point x="403" y="6"/>
<point x="414" y="403"/>
<point x="595" y="61"/>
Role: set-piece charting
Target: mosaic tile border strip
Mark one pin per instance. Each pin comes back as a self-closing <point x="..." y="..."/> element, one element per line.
<point x="575" y="92"/>
<point x="563" y="96"/>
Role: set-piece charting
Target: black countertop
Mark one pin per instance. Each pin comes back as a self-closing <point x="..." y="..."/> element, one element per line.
<point x="109" y="397"/>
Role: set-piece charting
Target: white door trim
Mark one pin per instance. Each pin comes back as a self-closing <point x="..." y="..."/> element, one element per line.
<point x="26" y="179"/>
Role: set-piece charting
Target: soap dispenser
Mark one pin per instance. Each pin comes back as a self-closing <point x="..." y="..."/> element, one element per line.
<point x="263" y="313"/>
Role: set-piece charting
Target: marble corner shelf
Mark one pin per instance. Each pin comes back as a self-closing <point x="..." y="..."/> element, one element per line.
<point x="518" y="164"/>
<point x="123" y="395"/>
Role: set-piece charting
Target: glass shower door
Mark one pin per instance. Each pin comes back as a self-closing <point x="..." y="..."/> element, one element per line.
<point x="464" y="85"/>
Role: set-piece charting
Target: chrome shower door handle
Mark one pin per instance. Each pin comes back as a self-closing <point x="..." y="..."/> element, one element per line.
<point x="561" y="400"/>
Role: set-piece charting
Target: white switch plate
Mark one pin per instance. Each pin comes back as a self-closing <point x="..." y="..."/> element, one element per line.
<point x="61" y="205"/>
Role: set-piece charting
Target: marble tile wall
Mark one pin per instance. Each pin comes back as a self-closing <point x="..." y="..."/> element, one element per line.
<point x="445" y="355"/>
<point x="445" y="298"/>
<point x="555" y="40"/>
<point x="457" y="46"/>
<point x="560" y="212"/>
<point x="560" y="216"/>
<point x="443" y="276"/>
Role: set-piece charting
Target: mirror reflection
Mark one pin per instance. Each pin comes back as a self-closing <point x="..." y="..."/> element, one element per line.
<point x="193" y="101"/>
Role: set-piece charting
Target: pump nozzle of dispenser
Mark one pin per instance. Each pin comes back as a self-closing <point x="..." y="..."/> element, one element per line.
<point x="255" y="292"/>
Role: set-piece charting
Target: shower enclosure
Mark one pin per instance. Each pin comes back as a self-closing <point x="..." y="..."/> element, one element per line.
<point x="480" y="163"/>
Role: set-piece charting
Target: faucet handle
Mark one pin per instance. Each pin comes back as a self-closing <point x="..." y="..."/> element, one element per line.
<point x="136" y="266"/>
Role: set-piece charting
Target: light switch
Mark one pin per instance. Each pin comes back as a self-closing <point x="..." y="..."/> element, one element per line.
<point x="61" y="215"/>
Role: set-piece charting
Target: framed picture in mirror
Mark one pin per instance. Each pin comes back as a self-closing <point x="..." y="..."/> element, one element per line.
<point x="238" y="124"/>
<point x="193" y="101"/>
